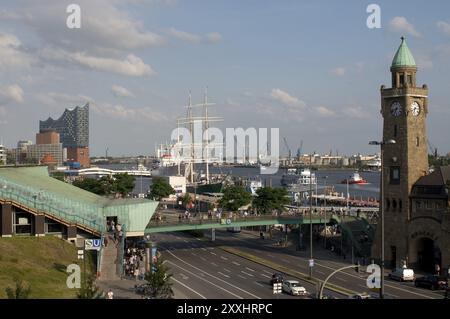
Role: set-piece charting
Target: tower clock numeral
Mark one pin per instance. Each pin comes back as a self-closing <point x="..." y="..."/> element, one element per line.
<point x="396" y="109"/>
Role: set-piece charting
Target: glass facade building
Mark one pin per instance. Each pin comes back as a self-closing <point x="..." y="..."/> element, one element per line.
<point x="72" y="126"/>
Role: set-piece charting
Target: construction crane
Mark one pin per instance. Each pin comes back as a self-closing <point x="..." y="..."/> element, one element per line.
<point x="299" y="150"/>
<point x="287" y="147"/>
<point x="433" y="149"/>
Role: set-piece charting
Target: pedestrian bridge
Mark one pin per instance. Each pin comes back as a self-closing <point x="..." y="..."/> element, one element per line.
<point x="170" y="225"/>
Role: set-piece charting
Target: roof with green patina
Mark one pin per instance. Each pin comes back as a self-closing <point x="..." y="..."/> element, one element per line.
<point x="403" y="57"/>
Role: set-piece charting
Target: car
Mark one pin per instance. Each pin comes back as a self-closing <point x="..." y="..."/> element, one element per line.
<point x="402" y="274"/>
<point x="432" y="282"/>
<point x="276" y="278"/>
<point x="294" y="288"/>
<point x="360" y="296"/>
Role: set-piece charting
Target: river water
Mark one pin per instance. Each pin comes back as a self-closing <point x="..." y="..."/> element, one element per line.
<point x="330" y="177"/>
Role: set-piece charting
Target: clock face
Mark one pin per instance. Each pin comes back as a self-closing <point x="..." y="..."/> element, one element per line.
<point x="415" y="108"/>
<point x="396" y="109"/>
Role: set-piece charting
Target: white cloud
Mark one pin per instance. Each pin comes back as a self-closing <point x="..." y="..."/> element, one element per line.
<point x="340" y="71"/>
<point x="231" y="102"/>
<point x="131" y="66"/>
<point x="120" y="91"/>
<point x="356" y="112"/>
<point x="401" y="25"/>
<point x="286" y="98"/>
<point x="11" y="54"/>
<point x="12" y="93"/>
<point x="122" y="112"/>
<point x="324" y="111"/>
<point x="105" y="26"/>
<point x="444" y="27"/>
<point x="185" y="36"/>
<point x="212" y="37"/>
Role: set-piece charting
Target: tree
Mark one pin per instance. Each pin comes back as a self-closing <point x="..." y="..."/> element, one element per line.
<point x="20" y="292"/>
<point x="123" y="184"/>
<point x="186" y="200"/>
<point x="269" y="199"/>
<point x="160" y="188"/>
<point x="89" y="290"/>
<point x="235" y="197"/>
<point x="158" y="282"/>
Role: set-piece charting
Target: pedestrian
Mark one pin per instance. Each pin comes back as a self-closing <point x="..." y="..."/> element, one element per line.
<point x="438" y="269"/>
<point x="136" y="273"/>
<point x="110" y="294"/>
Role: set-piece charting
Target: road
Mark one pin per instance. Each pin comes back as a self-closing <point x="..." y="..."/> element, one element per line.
<point x="325" y="263"/>
<point x="202" y="271"/>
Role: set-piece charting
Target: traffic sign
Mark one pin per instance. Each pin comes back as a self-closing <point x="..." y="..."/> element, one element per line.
<point x="311" y="263"/>
<point x="228" y="221"/>
<point x="92" y="244"/>
<point x="80" y="254"/>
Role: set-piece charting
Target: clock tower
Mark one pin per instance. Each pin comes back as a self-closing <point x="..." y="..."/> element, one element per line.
<point x="404" y="109"/>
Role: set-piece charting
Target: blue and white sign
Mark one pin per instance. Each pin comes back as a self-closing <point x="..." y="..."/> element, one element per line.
<point x="92" y="244"/>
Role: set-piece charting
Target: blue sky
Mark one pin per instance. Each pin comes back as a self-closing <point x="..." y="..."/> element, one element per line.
<point x="311" y="68"/>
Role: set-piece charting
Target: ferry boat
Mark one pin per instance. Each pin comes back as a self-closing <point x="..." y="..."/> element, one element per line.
<point x="298" y="177"/>
<point x="355" y="179"/>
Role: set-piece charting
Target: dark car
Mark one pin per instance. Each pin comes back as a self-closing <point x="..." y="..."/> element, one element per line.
<point x="432" y="282"/>
<point x="276" y="278"/>
<point x="140" y="289"/>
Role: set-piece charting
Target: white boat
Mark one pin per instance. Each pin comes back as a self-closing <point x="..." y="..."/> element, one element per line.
<point x="302" y="177"/>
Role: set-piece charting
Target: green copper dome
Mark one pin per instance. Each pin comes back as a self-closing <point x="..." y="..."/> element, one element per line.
<point x="403" y="57"/>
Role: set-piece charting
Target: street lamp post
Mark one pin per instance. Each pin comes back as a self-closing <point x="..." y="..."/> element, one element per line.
<point x="310" y="217"/>
<point x="381" y="144"/>
<point x="325" y="212"/>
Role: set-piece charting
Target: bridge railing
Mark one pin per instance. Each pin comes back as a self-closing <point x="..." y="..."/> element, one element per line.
<point x="59" y="206"/>
<point x="227" y="219"/>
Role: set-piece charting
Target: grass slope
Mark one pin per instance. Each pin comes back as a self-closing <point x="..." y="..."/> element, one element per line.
<point x="41" y="264"/>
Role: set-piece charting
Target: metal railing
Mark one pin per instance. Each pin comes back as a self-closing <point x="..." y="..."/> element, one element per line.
<point x="65" y="208"/>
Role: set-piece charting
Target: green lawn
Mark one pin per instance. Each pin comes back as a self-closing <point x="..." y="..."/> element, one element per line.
<point x="40" y="263"/>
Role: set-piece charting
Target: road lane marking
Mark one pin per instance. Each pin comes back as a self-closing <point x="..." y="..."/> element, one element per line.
<point x="241" y="277"/>
<point x="224" y="258"/>
<point x="184" y="276"/>
<point x="214" y="264"/>
<point x="204" y="249"/>
<point x="227" y="270"/>
<point x="267" y="272"/>
<point x="194" y="254"/>
<point x="236" y="287"/>
<point x="257" y="283"/>
<point x="185" y="240"/>
<point x="247" y="273"/>
<point x="221" y="273"/>
<point x="189" y="288"/>
<point x="341" y="279"/>
<point x="208" y="281"/>
<point x="386" y="285"/>
<point x="236" y="263"/>
<point x="250" y="269"/>
<point x="204" y="259"/>
<point x="213" y="253"/>
<point x="264" y="275"/>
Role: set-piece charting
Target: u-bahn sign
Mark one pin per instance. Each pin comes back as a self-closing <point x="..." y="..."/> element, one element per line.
<point x="92" y="244"/>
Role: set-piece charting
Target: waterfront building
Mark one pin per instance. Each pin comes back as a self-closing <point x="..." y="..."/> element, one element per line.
<point x="73" y="127"/>
<point x="2" y="155"/>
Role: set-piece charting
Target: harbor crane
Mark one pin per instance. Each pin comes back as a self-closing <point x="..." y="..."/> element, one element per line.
<point x="433" y="149"/>
<point x="299" y="150"/>
<point x="287" y="147"/>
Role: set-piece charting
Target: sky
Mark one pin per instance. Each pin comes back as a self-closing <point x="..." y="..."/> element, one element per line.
<point x="313" y="69"/>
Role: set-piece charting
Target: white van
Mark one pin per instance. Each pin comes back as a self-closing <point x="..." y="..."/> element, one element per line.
<point x="402" y="274"/>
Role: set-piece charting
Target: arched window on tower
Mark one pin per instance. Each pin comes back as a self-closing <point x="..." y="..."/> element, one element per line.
<point x="395" y="130"/>
<point x="388" y="204"/>
<point x="399" y="205"/>
<point x="417" y="141"/>
<point x="394" y="204"/>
